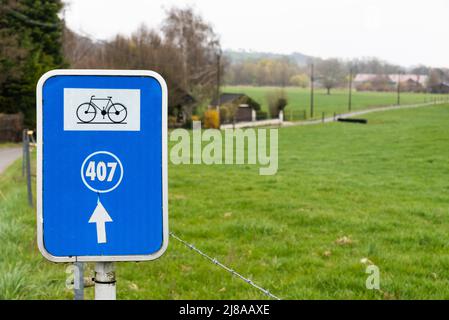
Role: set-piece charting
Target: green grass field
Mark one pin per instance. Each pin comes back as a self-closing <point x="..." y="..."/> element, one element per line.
<point x="337" y="101"/>
<point x="384" y="186"/>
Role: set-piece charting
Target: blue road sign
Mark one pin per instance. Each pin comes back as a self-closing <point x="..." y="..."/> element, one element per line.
<point x="102" y="165"/>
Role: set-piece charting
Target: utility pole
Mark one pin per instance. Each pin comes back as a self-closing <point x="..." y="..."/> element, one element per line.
<point x="399" y="89"/>
<point x="218" y="80"/>
<point x="312" y="79"/>
<point x="350" y="90"/>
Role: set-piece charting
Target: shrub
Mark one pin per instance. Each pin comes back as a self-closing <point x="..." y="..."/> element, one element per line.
<point x="188" y="124"/>
<point x="172" y="120"/>
<point x="253" y="104"/>
<point x="277" y="101"/>
<point x="225" y="114"/>
<point x="211" y="119"/>
<point x="261" y="115"/>
<point x="300" y="80"/>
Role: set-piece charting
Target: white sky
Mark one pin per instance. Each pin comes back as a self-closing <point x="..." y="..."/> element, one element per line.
<point x="407" y="32"/>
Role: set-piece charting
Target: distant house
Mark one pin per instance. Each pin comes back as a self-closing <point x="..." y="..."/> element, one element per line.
<point x="227" y="98"/>
<point x="393" y="78"/>
<point x="366" y="77"/>
<point x="236" y="107"/>
<point x="442" y="87"/>
<point x="181" y="105"/>
<point x="410" y="82"/>
<point x="416" y="79"/>
<point x="373" y="82"/>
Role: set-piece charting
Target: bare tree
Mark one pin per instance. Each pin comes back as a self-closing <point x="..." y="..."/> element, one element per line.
<point x="330" y="73"/>
<point x="80" y="51"/>
<point x="184" y="52"/>
<point x="198" y="46"/>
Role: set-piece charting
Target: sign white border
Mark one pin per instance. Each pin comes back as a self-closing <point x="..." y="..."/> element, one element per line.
<point x="40" y="142"/>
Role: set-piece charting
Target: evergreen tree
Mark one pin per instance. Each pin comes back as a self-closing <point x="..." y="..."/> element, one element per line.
<point x="31" y="44"/>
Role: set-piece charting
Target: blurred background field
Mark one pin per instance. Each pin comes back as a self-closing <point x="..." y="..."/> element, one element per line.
<point x="336" y="102"/>
<point x="345" y="195"/>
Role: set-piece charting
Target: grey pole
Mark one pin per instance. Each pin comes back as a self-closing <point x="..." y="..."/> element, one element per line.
<point x="28" y="170"/>
<point x="78" y="281"/>
<point x="23" y="151"/>
<point x="105" y="281"/>
<point x="350" y="90"/>
<point x="218" y="79"/>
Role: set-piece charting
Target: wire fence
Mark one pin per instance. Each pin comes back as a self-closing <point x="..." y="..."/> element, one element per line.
<point x="295" y="115"/>
<point x="228" y="269"/>
<point x="28" y="141"/>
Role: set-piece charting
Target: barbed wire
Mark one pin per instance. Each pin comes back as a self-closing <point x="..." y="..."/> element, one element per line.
<point x="218" y="263"/>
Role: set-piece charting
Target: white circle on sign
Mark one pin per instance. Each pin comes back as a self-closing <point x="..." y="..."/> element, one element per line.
<point x="83" y="172"/>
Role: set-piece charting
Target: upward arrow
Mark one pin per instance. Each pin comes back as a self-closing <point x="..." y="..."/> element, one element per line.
<point x="100" y="217"/>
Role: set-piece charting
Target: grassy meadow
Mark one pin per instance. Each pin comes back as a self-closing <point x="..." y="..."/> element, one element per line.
<point x="343" y="193"/>
<point x="337" y="101"/>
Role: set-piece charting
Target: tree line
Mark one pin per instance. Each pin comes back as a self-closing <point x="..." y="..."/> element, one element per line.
<point x="34" y="39"/>
<point x="185" y="50"/>
<point x="328" y="73"/>
<point x="30" y="44"/>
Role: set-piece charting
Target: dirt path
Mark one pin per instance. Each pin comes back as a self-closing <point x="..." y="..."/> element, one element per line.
<point x="8" y="156"/>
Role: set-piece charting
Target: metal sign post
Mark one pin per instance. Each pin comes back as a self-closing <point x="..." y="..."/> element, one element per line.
<point x="102" y="169"/>
<point x="105" y="281"/>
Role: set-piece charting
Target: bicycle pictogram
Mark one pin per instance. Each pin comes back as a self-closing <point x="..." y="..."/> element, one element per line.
<point x="87" y="111"/>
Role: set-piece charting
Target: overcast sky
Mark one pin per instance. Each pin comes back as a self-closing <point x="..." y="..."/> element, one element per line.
<point x="407" y="32"/>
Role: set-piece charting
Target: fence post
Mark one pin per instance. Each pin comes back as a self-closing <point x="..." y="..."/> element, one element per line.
<point x="78" y="281"/>
<point x="24" y="131"/>
<point x="28" y="169"/>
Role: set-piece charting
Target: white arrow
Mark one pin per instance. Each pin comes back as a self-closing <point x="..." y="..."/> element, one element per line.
<point x="100" y="217"/>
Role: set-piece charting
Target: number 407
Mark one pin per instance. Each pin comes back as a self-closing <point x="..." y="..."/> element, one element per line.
<point x="101" y="170"/>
